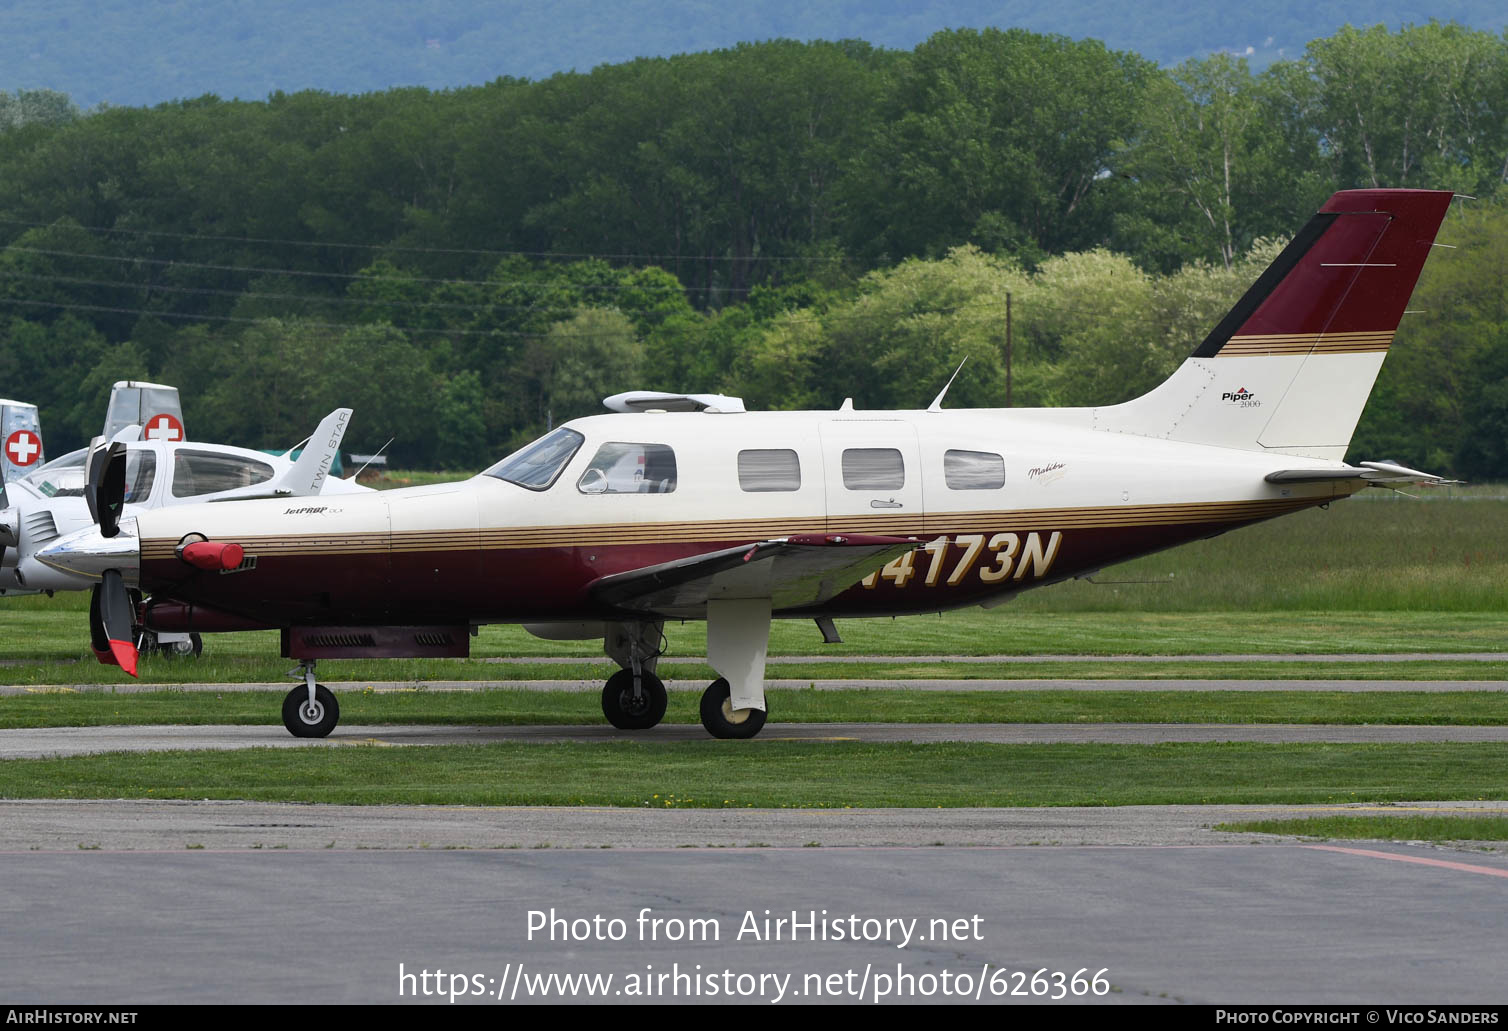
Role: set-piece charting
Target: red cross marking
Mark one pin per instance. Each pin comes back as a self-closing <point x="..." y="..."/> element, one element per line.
<point x="164" y="427"/>
<point x="23" y="447"/>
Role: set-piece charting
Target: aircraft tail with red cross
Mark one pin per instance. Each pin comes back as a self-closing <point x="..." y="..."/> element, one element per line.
<point x="1290" y="368"/>
<point x="152" y="406"/>
<point x="20" y="440"/>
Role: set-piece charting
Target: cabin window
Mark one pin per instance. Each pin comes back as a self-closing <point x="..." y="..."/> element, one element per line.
<point x="873" y="468"/>
<point x="771" y="469"/>
<point x="621" y="468"/>
<point x="204" y="472"/>
<point x="973" y="470"/>
<point x="537" y="465"/>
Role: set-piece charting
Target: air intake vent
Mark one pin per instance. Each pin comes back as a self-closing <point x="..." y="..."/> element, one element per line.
<point x="340" y="640"/>
<point x="39" y="527"/>
<point x="446" y="641"/>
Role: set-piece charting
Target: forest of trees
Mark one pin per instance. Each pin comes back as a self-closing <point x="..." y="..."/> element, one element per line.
<point x="790" y="222"/>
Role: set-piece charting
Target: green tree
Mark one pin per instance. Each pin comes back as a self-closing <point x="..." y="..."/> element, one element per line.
<point x="1001" y="138"/>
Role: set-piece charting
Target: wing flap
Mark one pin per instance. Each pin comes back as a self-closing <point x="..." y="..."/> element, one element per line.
<point x="800" y="570"/>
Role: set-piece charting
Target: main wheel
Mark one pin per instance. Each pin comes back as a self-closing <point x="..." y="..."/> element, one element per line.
<point x="626" y="711"/>
<point x="724" y="721"/>
<point x="305" y="720"/>
<point x="189" y="649"/>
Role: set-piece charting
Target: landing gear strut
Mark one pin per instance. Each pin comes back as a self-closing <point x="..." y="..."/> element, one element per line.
<point x="310" y="710"/>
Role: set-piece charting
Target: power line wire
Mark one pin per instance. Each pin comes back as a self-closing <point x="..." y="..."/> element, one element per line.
<point x="346" y="245"/>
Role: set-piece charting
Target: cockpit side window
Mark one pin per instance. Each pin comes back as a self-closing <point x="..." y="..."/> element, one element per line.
<point x="203" y="472"/>
<point x="141" y="470"/>
<point x="623" y="468"/>
<point x="536" y="465"/>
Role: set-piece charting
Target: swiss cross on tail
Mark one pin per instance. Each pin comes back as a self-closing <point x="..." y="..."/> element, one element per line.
<point x="163" y="427"/>
<point x="23" y="447"/>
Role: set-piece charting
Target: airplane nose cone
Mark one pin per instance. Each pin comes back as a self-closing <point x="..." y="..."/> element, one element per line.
<point x="89" y="553"/>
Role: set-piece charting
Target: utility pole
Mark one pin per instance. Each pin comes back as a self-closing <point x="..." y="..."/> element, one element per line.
<point x="1007" y="349"/>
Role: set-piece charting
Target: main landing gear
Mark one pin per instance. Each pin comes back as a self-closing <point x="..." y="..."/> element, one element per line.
<point x="724" y="721"/>
<point x="634" y="697"/>
<point x="733" y="706"/>
<point x="310" y="710"/>
<point x="634" y="701"/>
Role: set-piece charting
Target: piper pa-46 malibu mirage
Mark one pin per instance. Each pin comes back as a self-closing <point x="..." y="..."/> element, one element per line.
<point x="613" y="524"/>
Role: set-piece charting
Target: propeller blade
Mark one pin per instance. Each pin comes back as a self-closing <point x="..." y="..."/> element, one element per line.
<point x="105" y="487"/>
<point x="110" y="623"/>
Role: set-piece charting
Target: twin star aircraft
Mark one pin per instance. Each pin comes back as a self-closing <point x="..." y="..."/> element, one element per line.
<point x="614" y="524"/>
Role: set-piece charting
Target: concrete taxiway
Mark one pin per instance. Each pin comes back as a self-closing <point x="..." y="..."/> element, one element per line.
<point x="151" y="825"/>
<point x="1266" y="923"/>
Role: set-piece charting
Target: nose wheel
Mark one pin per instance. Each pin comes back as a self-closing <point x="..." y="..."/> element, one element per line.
<point x="724" y="721"/>
<point x="310" y="710"/>
<point x="305" y="718"/>
<point x="628" y="709"/>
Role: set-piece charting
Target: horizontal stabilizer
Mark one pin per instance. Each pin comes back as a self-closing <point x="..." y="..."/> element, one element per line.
<point x="1371" y="472"/>
<point x="795" y="571"/>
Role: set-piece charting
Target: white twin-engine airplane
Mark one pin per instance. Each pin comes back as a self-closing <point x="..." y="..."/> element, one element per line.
<point x="614" y="524"/>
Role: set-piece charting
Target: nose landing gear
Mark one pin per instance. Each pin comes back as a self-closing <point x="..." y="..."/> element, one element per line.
<point x="310" y="710"/>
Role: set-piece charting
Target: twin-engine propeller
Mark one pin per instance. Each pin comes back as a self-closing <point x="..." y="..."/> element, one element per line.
<point x="110" y="552"/>
<point x="110" y="615"/>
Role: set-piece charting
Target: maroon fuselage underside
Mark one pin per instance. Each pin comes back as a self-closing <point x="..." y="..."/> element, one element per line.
<point x="553" y="583"/>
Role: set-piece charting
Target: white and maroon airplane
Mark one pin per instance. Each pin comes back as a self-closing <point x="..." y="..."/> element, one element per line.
<point x="611" y="525"/>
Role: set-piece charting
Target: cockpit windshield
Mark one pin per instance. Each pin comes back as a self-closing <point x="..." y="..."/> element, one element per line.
<point x="537" y="465"/>
<point x="64" y="477"/>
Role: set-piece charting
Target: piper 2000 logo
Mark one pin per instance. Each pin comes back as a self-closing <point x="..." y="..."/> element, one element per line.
<point x="1242" y="398"/>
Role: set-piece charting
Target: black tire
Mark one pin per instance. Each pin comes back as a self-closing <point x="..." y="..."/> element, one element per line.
<point x="724" y="721"/>
<point x="303" y="722"/>
<point x="627" y="712"/>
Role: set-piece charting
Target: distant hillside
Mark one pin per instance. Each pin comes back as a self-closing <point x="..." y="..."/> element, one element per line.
<point x="140" y="52"/>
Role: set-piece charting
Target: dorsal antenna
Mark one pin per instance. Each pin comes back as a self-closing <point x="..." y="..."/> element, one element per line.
<point x="936" y="405"/>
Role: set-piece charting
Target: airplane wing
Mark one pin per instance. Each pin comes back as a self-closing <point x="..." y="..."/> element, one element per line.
<point x="1372" y="472"/>
<point x="800" y="570"/>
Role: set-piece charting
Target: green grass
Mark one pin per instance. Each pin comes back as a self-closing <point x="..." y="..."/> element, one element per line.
<point x="1377" y="552"/>
<point x="419" y="672"/>
<point x="515" y="708"/>
<point x="52" y="631"/>
<point x="1384" y="828"/>
<point x="774" y="774"/>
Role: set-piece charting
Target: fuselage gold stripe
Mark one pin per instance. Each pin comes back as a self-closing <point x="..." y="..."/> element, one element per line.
<point x="1247" y="345"/>
<point x="624" y="534"/>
